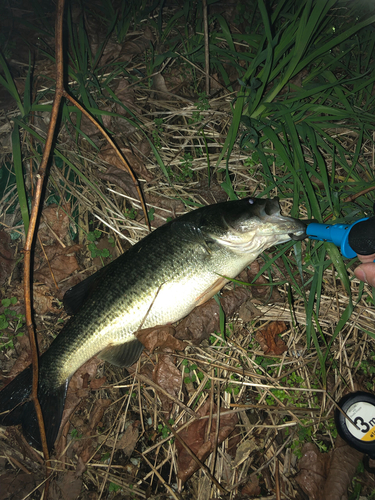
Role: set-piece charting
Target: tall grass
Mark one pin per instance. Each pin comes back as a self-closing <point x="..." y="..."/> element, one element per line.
<point x="291" y="122"/>
<point x="307" y="69"/>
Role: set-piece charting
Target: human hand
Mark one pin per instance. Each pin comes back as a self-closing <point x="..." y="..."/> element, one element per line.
<point x="366" y="271"/>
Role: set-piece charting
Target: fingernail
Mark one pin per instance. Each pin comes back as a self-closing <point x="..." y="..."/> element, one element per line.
<point x="361" y="275"/>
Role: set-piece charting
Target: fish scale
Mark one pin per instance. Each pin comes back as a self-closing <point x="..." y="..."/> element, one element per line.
<point x="158" y="281"/>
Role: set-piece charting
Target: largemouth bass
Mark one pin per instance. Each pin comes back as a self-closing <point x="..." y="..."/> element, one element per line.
<point x="158" y="281"/>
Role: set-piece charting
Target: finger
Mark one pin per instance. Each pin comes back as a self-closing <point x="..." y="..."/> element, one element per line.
<point x="366" y="272"/>
<point x="366" y="258"/>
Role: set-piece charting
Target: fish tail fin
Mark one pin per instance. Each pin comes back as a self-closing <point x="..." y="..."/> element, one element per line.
<point x="16" y="407"/>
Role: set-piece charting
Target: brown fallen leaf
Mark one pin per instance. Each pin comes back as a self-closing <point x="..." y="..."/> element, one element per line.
<point x="312" y="471"/>
<point x="66" y="487"/>
<point x="63" y="262"/>
<point x="85" y="448"/>
<point x="128" y="440"/>
<point x="261" y="294"/>
<point x="158" y="83"/>
<point x="77" y="389"/>
<point x="43" y="300"/>
<point x="327" y="476"/>
<point x="205" y="319"/>
<point x="54" y="221"/>
<point x="194" y="437"/>
<point x="121" y="179"/>
<point x="16" y="485"/>
<point x="269" y="340"/>
<point x="126" y="94"/>
<point x="344" y="461"/>
<point x="160" y="337"/>
<point x="138" y="46"/>
<point x="168" y="377"/>
<point x="97" y="383"/>
<point x="137" y="165"/>
<point x="6" y="256"/>
<point x="252" y="488"/>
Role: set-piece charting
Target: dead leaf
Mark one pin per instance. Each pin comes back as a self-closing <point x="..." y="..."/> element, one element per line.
<point x="89" y="128"/>
<point x="312" y="471"/>
<point x="62" y="261"/>
<point x="269" y="340"/>
<point x="6" y="256"/>
<point x="252" y="488"/>
<point x="168" y="377"/>
<point x="96" y="414"/>
<point x="66" y="487"/>
<point x="121" y="179"/>
<point x="137" y="46"/>
<point x="158" y="83"/>
<point x="137" y="165"/>
<point x="43" y="300"/>
<point x="97" y="383"/>
<point x="128" y="440"/>
<point x="16" y="485"/>
<point x="54" y="221"/>
<point x="205" y="319"/>
<point x="261" y="294"/>
<point x="344" y="461"/>
<point x="77" y="389"/>
<point x="160" y="337"/>
<point x="194" y="437"/>
<point x="126" y="95"/>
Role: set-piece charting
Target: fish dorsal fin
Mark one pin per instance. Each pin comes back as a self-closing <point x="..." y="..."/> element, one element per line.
<point x="122" y="355"/>
<point x="76" y="296"/>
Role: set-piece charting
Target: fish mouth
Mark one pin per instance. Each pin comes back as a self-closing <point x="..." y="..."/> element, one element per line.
<point x="301" y="235"/>
<point x="295" y="229"/>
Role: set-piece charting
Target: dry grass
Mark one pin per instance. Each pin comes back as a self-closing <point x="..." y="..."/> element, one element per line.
<point x="279" y="403"/>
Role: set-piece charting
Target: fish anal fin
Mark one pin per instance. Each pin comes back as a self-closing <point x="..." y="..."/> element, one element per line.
<point x="122" y="355"/>
<point x="210" y="292"/>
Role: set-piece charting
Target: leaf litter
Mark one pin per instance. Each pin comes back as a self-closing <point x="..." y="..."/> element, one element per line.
<point x="253" y="376"/>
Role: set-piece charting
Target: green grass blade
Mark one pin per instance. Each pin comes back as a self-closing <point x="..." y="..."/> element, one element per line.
<point x="20" y="181"/>
<point x="63" y="157"/>
<point x="9" y="84"/>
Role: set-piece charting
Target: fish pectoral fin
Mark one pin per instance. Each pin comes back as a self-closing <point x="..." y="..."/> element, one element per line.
<point x="122" y="355"/>
<point x="210" y="292"/>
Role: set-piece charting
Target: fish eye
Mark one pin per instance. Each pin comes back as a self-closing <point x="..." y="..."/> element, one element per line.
<point x="251" y="201"/>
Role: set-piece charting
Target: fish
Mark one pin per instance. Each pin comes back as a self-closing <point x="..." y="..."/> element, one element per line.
<point x="158" y="281"/>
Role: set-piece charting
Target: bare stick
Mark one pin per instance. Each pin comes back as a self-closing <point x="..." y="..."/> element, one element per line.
<point x="30" y="235"/>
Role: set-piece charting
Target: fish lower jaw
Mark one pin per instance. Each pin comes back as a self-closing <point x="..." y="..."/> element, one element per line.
<point x="297" y="235"/>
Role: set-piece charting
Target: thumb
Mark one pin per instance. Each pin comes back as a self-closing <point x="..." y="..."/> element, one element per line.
<point x="366" y="272"/>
